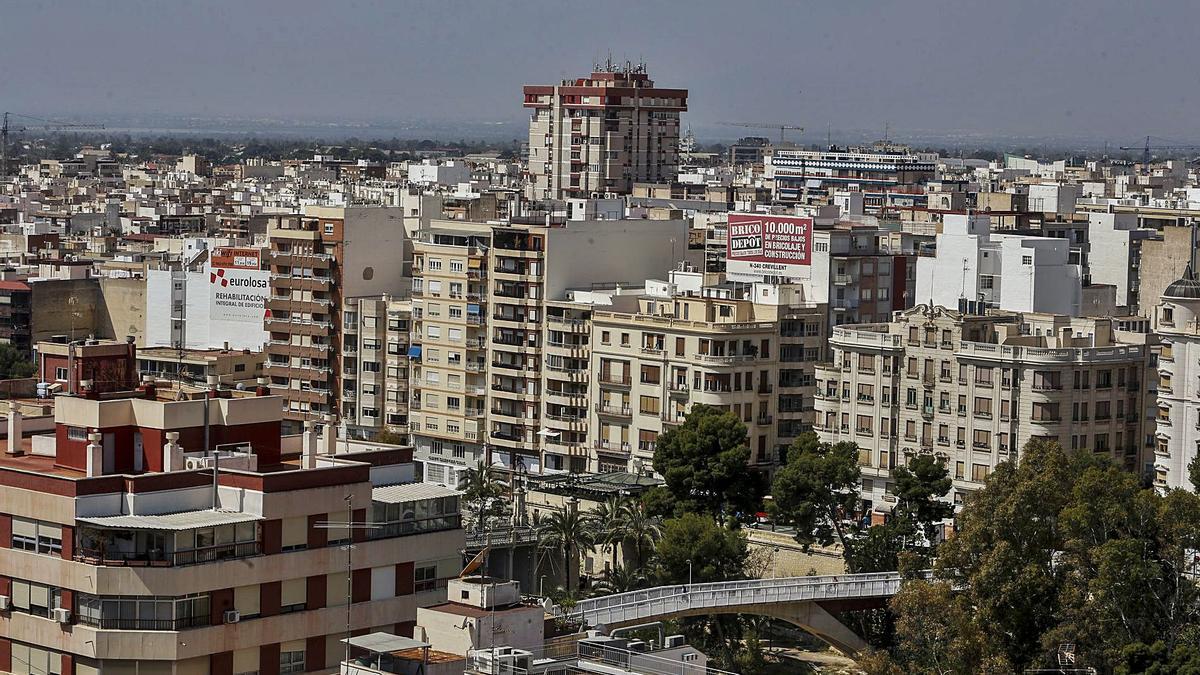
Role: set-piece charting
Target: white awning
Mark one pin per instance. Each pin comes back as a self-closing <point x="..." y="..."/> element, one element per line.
<point x="384" y="643"/>
<point x="185" y="520"/>
<point x="411" y="492"/>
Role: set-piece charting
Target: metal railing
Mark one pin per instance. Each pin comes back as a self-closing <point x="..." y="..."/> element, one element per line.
<point x="675" y="600"/>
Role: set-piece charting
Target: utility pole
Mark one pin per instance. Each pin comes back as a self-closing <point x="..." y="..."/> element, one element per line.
<point x="349" y="526"/>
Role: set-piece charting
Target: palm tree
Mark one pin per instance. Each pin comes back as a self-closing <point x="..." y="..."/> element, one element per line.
<point x="622" y="579"/>
<point x="482" y="490"/>
<point x="567" y="532"/>
<point x="641" y="533"/>
<point x="608" y="522"/>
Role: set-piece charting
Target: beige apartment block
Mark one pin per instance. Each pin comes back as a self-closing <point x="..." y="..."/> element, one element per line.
<point x="374" y="391"/>
<point x="653" y="358"/>
<point x="318" y="261"/>
<point x="973" y="389"/>
<point x="602" y="133"/>
<point x="491" y="335"/>
<point x="448" y="354"/>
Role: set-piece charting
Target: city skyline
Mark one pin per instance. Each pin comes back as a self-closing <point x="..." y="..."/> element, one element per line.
<point x="928" y="68"/>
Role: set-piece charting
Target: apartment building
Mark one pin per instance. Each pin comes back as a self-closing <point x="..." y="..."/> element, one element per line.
<point x="482" y="298"/>
<point x="120" y="553"/>
<point x="1177" y="422"/>
<point x="795" y="171"/>
<point x="654" y="356"/>
<point x="602" y="133"/>
<point x="861" y="272"/>
<point x="973" y="389"/>
<point x="1010" y="272"/>
<point x="318" y="261"/>
<point x="448" y="352"/>
<point x="374" y="394"/>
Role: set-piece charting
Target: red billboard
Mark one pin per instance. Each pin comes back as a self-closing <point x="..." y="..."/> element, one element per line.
<point x="768" y="244"/>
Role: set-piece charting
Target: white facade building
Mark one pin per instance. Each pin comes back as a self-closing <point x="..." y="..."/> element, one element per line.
<point x="1012" y="272"/>
<point x="1178" y="422"/>
<point x="1115" y="255"/>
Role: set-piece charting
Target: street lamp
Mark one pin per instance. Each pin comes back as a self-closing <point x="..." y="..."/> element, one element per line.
<point x="689" y="575"/>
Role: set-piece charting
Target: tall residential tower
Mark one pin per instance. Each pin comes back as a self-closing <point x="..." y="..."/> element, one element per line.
<point x="602" y="133"/>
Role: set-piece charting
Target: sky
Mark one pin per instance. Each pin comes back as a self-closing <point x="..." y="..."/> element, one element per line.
<point x="1084" y="68"/>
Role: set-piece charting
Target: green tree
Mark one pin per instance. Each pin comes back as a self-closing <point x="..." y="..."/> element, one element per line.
<point x="482" y="497"/>
<point x="716" y="552"/>
<point x="389" y="437"/>
<point x="567" y="532"/>
<point x="920" y="488"/>
<point x="1058" y="548"/>
<point x="704" y="463"/>
<point x="621" y="580"/>
<point x="641" y="534"/>
<point x="817" y="490"/>
<point x="1194" y="473"/>
<point x="608" y="521"/>
<point x="14" y="364"/>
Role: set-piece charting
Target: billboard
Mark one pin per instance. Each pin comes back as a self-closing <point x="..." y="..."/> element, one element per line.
<point x="760" y="245"/>
<point x="240" y="258"/>
<point x="206" y="308"/>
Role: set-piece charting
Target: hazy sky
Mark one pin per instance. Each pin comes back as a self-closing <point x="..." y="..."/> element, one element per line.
<point x="1112" y="70"/>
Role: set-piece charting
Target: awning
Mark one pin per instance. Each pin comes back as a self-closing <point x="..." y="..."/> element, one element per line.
<point x="384" y="643"/>
<point x="414" y="352"/>
<point x="472" y="308"/>
<point x="186" y="520"/>
<point x="410" y="492"/>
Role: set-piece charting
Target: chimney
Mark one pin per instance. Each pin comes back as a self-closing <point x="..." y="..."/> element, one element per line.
<point x="172" y="453"/>
<point x="329" y="436"/>
<point x="263" y="388"/>
<point x="95" y="455"/>
<point x="308" y="454"/>
<point x="149" y="387"/>
<point x="14" y="429"/>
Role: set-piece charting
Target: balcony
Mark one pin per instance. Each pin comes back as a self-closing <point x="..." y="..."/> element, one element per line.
<point x="764" y="420"/>
<point x="765" y="388"/>
<point x="613" y="447"/>
<point x="614" y="411"/>
<point x="613" y="379"/>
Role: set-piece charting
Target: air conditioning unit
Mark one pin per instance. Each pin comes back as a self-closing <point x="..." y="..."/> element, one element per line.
<point x="232" y="616"/>
<point x="61" y="614"/>
<point x="4" y="603"/>
<point x="193" y="463"/>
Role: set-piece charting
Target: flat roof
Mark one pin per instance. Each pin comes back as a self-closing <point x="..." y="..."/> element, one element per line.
<point x="410" y="492"/>
<point x="384" y="643"/>
<point x="184" y="520"/>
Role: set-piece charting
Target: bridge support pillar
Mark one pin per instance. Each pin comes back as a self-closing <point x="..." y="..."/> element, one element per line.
<point x="813" y="618"/>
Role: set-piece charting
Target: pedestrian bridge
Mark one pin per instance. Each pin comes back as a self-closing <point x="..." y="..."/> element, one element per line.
<point x="808" y="602"/>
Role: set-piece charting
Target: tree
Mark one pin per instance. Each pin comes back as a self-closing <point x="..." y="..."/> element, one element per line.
<point x="567" y="532"/>
<point x="817" y="490"/>
<point x="641" y="534"/>
<point x="716" y="552"/>
<point x="921" y="486"/>
<point x="621" y="580"/>
<point x="1060" y="548"/>
<point x="608" y="521"/>
<point x="389" y="437"/>
<point x="1194" y="473"/>
<point x="14" y="364"/>
<point x="704" y="464"/>
<point x="482" y="497"/>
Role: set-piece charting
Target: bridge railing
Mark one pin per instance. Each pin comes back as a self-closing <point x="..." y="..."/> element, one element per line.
<point x="666" y="600"/>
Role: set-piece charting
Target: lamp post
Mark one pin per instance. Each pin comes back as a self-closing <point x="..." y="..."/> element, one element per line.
<point x="689" y="576"/>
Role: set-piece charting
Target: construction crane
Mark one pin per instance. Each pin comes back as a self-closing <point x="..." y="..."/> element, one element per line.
<point x="1147" y="148"/>
<point x="51" y="125"/>
<point x="781" y="127"/>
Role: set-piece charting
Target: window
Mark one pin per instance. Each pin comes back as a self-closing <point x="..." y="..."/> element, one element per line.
<point x="649" y="405"/>
<point x="291" y="661"/>
<point x="424" y="578"/>
<point x="60" y="374"/>
<point x="35" y="599"/>
<point x="293" y="595"/>
<point x="37" y="536"/>
<point x="605" y="337"/>
<point x="77" y="433"/>
<point x="979" y="472"/>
